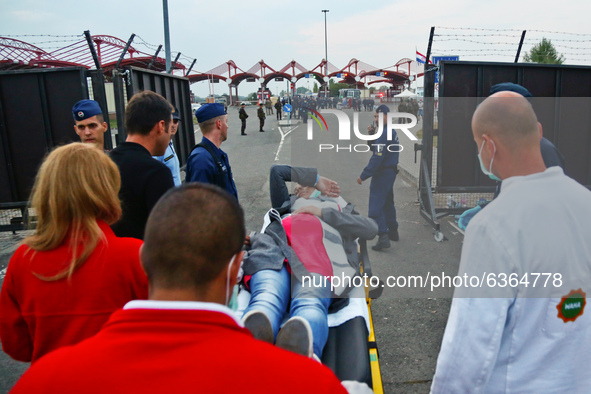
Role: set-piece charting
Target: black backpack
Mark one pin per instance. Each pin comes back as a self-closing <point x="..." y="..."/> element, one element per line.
<point x="219" y="179"/>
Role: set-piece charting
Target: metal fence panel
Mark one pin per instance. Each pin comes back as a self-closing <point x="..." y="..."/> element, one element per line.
<point x="6" y="178"/>
<point x="177" y="91"/>
<point x="35" y="116"/>
<point x="561" y="101"/>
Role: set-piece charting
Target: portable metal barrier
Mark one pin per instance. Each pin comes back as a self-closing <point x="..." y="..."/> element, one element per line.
<point x="561" y="99"/>
<point x="36" y="116"/>
<point x="175" y="89"/>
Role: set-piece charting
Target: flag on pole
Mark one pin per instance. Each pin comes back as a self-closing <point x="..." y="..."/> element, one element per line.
<point x="421" y="58"/>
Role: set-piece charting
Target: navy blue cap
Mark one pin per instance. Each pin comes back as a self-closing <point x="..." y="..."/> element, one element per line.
<point x="510" y="87"/>
<point x="383" y="109"/>
<point x="85" y="109"/>
<point x="176" y="114"/>
<point x="209" y="111"/>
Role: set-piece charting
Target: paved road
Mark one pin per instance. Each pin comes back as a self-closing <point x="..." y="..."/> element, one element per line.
<point x="409" y="322"/>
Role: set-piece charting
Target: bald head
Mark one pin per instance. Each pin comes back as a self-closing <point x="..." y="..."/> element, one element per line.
<point x="508" y="117"/>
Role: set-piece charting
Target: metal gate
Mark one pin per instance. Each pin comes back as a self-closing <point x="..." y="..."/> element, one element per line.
<point x="175" y="89"/>
<point x="562" y="101"/>
<point x="36" y="115"/>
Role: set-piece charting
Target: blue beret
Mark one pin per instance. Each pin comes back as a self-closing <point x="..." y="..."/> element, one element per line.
<point x="209" y="111"/>
<point x="383" y="108"/>
<point x="85" y="109"/>
<point x="176" y="114"/>
<point x="510" y="87"/>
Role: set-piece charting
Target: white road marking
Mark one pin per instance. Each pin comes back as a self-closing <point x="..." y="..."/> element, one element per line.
<point x="283" y="135"/>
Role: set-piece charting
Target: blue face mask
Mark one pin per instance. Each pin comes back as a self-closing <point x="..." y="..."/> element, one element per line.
<point x="484" y="170"/>
<point x="229" y="291"/>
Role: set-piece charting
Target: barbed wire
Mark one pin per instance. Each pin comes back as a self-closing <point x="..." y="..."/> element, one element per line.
<point x="40" y="35"/>
<point x="512" y="43"/>
<point x="52" y="42"/>
<point x="154" y="48"/>
<point x="516" y="30"/>
<point x="570" y="47"/>
<point x="512" y="55"/>
<point x="479" y="54"/>
<point x="479" y="42"/>
<point x="188" y="59"/>
<point x="144" y="42"/>
<point x="532" y="39"/>
<point x="476" y="35"/>
<point x="478" y="50"/>
<point x="473" y="28"/>
<point x="561" y="32"/>
<point x="527" y="40"/>
<point x="50" y="48"/>
<point x="463" y="50"/>
<point x="576" y="47"/>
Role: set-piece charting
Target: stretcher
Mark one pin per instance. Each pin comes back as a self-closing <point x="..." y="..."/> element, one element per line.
<point x="351" y="350"/>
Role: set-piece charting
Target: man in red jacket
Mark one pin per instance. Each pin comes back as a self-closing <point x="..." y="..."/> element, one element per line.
<point x="184" y="338"/>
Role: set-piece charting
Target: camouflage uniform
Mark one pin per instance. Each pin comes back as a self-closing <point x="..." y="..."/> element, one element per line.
<point x="262" y="116"/>
<point x="243" y="115"/>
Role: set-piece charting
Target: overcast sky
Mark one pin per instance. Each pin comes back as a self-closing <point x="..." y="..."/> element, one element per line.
<point x="214" y="32"/>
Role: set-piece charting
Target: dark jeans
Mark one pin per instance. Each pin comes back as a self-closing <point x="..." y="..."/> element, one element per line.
<point x="243" y="126"/>
<point x="381" y="200"/>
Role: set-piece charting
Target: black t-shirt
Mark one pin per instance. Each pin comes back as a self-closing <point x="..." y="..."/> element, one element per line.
<point x="143" y="181"/>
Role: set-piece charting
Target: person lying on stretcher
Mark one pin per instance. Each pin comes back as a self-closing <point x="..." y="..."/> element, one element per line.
<point x="308" y="237"/>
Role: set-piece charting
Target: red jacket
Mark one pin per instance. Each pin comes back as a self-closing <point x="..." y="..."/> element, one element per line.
<point x="39" y="316"/>
<point x="176" y="351"/>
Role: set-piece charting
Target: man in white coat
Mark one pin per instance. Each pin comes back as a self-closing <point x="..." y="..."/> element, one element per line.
<point x="525" y="329"/>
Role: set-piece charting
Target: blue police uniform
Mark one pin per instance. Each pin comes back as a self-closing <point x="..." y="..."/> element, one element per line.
<point x="171" y="160"/>
<point x="202" y="167"/>
<point x="382" y="168"/>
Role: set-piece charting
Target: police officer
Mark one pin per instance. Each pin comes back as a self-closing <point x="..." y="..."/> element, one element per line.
<point x="304" y="114"/>
<point x="242" y="115"/>
<point x="170" y="158"/>
<point x="261" y="115"/>
<point x="382" y="169"/>
<point x="207" y="163"/>
<point x="89" y="123"/>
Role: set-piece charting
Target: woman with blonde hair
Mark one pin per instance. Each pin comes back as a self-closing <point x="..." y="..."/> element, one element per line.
<point x="66" y="279"/>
